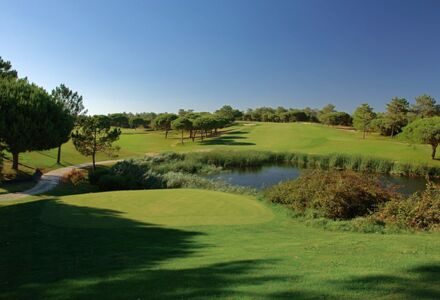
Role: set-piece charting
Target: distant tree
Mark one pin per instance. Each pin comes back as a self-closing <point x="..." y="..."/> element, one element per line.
<point x="362" y="118"/>
<point x="339" y="118"/>
<point x="30" y="120"/>
<point x="6" y="70"/>
<point x="229" y="113"/>
<point x="425" y="131"/>
<point x="381" y="124"/>
<point x="119" y="120"/>
<point x="181" y="123"/>
<point x="219" y="122"/>
<point x="193" y="130"/>
<point x="163" y="122"/>
<point x="396" y="114"/>
<point x="95" y="134"/>
<point x="147" y="116"/>
<point x="324" y="113"/>
<point x="329" y="108"/>
<point x="296" y="115"/>
<point x="137" y="122"/>
<point x="312" y="114"/>
<point x="73" y="104"/>
<point x="204" y="124"/>
<point x="426" y="107"/>
<point x="183" y="112"/>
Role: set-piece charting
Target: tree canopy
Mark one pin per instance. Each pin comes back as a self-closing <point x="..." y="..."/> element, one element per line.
<point x="73" y="104"/>
<point x="30" y="120"/>
<point x="95" y="134"/>
<point x="229" y="113"/>
<point x="6" y="70"/>
<point x="163" y="122"/>
<point x="71" y="101"/>
<point x="362" y="118"/>
<point x="182" y="123"/>
<point x="425" y="107"/>
<point x="396" y="114"/>
<point x="424" y="131"/>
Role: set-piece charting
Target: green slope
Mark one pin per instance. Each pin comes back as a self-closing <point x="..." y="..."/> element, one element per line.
<point x="90" y="247"/>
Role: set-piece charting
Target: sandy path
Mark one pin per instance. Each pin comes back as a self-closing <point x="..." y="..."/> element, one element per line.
<point x="49" y="180"/>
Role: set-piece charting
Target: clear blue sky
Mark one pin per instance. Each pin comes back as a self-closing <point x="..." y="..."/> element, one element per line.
<point x="165" y="55"/>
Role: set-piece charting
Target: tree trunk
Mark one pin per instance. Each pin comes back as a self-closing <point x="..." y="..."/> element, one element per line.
<point x="166" y="134"/>
<point x="93" y="160"/>
<point x="59" y="154"/>
<point x="201" y="134"/>
<point x="15" y="161"/>
<point x="194" y="135"/>
<point x="182" y="137"/>
<point x="434" y="149"/>
<point x="364" y="135"/>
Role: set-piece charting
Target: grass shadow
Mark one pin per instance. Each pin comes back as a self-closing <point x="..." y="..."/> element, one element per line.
<point x="420" y="282"/>
<point x="99" y="254"/>
<point x="238" y="132"/>
<point x="36" y="256"/>
<point x="217" y="280"/>
<point x="228" y="142"/>
<point x="227" y="139"/>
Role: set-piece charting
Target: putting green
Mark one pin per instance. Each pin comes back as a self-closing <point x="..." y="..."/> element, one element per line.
<point x="172" y="207"/>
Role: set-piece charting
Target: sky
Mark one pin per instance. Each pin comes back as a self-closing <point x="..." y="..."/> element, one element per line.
<point x="138" y="56"/>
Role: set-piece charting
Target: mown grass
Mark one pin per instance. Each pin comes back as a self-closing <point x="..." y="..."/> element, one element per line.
<point x="47" y="257"/>
<point x="289" y="137"/>
<point x="183" y="207"/>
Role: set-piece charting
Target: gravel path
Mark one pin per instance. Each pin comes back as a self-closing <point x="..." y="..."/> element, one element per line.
<point x="49" y="180"/>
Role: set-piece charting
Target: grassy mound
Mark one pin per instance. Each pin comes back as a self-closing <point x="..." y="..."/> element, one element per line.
<point x="174" y="207"/>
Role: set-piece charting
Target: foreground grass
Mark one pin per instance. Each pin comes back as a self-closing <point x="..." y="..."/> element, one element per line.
<point x="16" y="187"/>
<point x="294" y="137"/>
<point x="110" y="246"/>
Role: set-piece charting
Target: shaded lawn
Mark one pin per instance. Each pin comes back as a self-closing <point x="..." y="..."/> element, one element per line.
<point x="140" y="260"/>
<point x="13" y="187"/>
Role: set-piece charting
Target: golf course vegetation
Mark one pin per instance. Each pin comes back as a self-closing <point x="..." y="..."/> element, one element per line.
<point x="151" y="224"/>
<point x="290" y="137"/>
<point x="198" y="244"/>
<point x="369" y="206"/>
<point x="326" y="194"/>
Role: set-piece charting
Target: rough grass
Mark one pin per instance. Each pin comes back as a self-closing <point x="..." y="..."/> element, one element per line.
<point x="290" y="137"/>
<point x="277" y="259"/>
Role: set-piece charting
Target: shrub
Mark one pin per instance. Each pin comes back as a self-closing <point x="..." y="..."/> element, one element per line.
<point x="110" y="182"/>
<point x="95" y="175"/>
<point x="420" y="211"/>
<point x="75" y="177"/>
<point x="332" y="194"/>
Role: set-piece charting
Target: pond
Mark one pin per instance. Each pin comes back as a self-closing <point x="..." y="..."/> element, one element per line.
<point x="269" y="175"/>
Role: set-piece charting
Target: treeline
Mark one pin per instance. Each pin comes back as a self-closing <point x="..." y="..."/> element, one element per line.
<point x="421" y="115"/>
<point x="197" y="124"/>
<point x="399" y="113"/>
